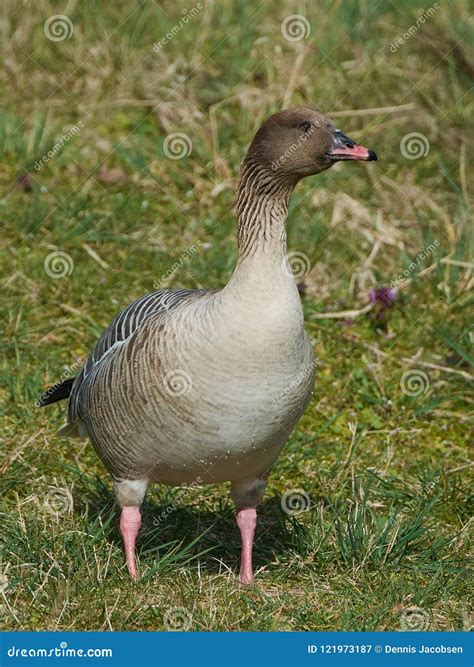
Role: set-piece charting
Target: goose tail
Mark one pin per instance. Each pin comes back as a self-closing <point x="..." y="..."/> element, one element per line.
<point x="75" y="430"/>
<point x="58" y="392"/>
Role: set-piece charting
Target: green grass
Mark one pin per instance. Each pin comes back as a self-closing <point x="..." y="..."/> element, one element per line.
<point x="385" y="537"/>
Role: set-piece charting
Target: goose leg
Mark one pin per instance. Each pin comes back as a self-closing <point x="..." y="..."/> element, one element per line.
<point x="130" y="522"/>
<point x="246" y="495"/>
<point x="247" y="521"/>
<point x="130" y="494"/>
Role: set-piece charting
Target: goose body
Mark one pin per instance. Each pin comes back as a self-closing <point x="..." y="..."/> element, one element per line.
<point x="208" y="388"/>
<point x="205" y="386"/>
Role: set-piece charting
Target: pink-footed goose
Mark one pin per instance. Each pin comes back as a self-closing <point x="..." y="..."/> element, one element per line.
<point x="205" y="386"/>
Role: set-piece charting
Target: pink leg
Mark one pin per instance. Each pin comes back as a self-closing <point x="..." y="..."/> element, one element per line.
<point x="246" y="521"/>
<point x="130" y="522"/>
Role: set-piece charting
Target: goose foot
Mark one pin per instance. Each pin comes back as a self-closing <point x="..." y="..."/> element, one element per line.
<point x="130" y="522"/>
<point x="247" y="521"/>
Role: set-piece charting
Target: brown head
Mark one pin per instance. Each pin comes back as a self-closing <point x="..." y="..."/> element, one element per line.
<point x="300" y="142"/>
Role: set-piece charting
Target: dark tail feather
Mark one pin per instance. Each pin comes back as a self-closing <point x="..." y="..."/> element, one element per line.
<point x="55" y="393"/>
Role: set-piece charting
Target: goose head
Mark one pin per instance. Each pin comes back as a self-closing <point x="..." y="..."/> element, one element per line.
<point x="302" y="142"/>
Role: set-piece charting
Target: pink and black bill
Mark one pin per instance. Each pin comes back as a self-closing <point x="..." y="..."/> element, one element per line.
<point x="344" y="148"/>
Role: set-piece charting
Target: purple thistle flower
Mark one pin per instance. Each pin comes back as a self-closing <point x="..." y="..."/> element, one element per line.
<point x="24" y="182"/>
<point x="383" y="296"/>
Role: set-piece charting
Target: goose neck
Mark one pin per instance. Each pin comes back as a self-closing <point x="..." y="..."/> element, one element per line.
<point x="262" y="207"/>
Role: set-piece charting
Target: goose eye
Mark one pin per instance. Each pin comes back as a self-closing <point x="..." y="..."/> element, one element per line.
<point x="305" y="126"/>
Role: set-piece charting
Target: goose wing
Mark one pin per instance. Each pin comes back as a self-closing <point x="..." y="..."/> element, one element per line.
<point x="123" y="326"/>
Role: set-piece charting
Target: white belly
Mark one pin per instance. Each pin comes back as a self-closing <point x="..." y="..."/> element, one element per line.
<point x="234" y="432"/>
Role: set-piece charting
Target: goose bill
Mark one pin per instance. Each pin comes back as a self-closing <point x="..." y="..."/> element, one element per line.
<point x="344" y="148"/>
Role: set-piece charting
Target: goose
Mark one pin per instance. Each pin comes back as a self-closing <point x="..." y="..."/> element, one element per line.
<point x="204" y="386"/>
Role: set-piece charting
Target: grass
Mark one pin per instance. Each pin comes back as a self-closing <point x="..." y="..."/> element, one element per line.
<point x="384" y="541"/>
